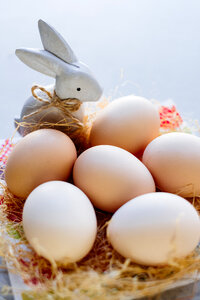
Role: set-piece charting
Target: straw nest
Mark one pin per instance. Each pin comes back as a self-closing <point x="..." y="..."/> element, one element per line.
<point x="103" y="273"/>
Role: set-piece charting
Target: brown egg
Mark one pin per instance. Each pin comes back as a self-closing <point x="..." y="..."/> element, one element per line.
<point x="111" y="176"/>
<point x="129" y="122"/>
<point x="41" y="156"/>
<point x="174" y="161"/>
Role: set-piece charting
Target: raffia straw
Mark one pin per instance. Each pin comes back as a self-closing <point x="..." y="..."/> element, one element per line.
<point x="78" y="131"/>
<point x="68" y="106"/>
<point x="80" y="136"/>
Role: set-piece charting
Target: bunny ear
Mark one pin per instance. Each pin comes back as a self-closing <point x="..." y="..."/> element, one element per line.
<point x="54" y="43"/>
<point x="40" y="60"/>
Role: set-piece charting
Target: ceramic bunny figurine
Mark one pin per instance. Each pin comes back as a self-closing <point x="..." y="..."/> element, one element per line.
<point x="73" y="79"/>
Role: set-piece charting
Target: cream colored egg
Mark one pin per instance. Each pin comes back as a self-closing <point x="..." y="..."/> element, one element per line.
<point x="129" y="122"/>
<point x="110" y="176"/>
<point x="59" y="222"/>
<point x="155" y="228"/>
<point x="43" y="155"/>
<point x="174" y="161"/>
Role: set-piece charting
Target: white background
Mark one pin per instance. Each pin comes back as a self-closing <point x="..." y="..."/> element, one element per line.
<point x="155" y="42"/>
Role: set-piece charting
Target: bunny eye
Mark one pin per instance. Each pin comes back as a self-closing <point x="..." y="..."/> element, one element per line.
<point x="78" y="89"/>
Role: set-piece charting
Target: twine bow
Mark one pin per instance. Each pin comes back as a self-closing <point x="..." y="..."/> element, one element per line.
<point x="67" y="106"/>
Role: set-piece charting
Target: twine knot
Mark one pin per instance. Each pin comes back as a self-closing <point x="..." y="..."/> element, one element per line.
<point x="67" y="106"/>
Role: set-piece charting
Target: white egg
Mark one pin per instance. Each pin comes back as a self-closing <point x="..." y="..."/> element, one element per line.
<point x="155" y="228"/>
<point x="59" y="222"/>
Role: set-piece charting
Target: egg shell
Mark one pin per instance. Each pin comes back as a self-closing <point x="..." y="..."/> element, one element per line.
<point x="155" y="228"/>
<point x="110" y="176"/>
<point x="174" y="161"/>
<point x="129" y="122"/>
<point x="43" y="155"/>
<point x="59" y="222"/>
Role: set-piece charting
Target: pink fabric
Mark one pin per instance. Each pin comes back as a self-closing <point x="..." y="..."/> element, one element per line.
<point x="5" y="148"/>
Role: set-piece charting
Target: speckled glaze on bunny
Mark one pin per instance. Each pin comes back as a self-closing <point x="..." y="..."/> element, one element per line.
<point x="73" y="79"/>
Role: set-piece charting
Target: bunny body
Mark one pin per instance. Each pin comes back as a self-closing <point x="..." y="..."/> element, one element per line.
<point x="74" y="80"/>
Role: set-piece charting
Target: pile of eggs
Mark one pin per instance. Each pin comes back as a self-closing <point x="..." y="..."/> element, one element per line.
<point x="119" y="173"/>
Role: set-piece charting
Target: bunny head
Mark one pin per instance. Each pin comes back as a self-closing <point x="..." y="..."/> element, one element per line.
<point x="73" y="78"/>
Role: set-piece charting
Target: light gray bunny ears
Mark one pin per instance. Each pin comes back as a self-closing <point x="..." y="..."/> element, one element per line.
<point x="73" y="78"/>
<point x="54" y="43"/>
<point x="47" y="62"/>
